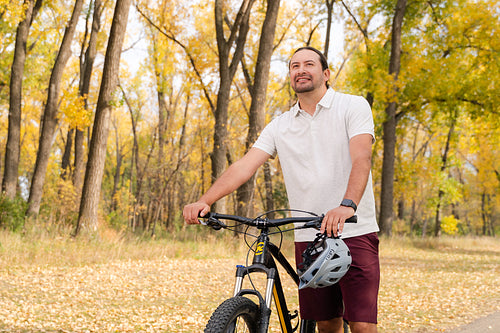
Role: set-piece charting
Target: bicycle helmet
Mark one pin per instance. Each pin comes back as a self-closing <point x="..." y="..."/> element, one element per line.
<point x="331" y="264"/>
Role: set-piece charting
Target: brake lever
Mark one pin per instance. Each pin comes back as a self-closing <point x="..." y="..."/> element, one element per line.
<point x="203" y="219"/>
<point x="314" y="224"/>
<point x="215" y="224"/>
<point x="317" y="223"/>
<point x="212" y="222"/>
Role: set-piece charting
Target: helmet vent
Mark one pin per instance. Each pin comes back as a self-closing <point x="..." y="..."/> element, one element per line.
<point x="335" y="256"/>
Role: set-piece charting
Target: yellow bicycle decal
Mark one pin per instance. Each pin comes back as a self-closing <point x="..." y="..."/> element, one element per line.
<point x="260" y="249"/>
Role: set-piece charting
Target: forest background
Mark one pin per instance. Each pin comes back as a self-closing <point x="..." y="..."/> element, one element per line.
<point x="117" y="114"/>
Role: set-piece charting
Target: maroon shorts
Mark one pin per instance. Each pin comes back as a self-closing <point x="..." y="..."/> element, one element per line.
<point x="354" y="297"/>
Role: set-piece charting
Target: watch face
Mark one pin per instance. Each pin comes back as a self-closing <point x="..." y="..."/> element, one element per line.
<point x="349" y="203"/>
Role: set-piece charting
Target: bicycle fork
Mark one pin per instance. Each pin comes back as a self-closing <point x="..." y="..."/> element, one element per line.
<point x="264" y="302"/>
<point x="264" y="263"/>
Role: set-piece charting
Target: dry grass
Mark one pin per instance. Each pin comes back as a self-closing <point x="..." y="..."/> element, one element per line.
<point x="119" y="284"/>
<point x="433" y="285"/>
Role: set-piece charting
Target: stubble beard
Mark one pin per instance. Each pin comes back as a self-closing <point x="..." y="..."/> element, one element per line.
<point x="303" y="88"/>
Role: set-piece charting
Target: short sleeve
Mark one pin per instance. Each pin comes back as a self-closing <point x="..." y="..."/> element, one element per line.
<point x="266" y="140"/>
<point x="360" y="118"/>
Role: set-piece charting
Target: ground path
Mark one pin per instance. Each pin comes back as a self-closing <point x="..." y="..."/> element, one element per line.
<point x="490" y="323"/>
<point x="55" y="285"/>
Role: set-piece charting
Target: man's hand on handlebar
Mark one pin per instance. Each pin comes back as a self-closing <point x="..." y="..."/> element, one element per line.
<point x="333" y="222"/>
<point x="192" y="211"/>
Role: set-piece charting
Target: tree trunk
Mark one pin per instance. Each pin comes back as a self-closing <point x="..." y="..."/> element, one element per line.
<point x="50" y="112"/>
<point x="86" y="66"/>
<point x="87" y="218"/>
<point x="162" y="109"/>
<point x="437" y="219"/>
<point x="483" y="213"/>
<point x="413" y="216"/>
<point x="424" y="227"/>
<point x="401" y="207"/>
<point x="66" y="158"/>
<point x="119" y="158"/>
<point x="444" y="165"/>
<point x="134" y="163"/>
<point x="389" y="136"/>
<point x="79" y="161"/>
<point x="329" y="9"/>
<point x="258" y="92"/>
<point x="268" y="180"/>
<point x="12" y="149"/>
<point x="227" y="69"/>
<point x="181" y="154"/>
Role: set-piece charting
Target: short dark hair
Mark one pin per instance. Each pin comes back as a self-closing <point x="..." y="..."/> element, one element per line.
<point x="322" y="57"/>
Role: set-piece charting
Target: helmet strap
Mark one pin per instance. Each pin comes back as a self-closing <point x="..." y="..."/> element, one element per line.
<point x="311" y="251"/>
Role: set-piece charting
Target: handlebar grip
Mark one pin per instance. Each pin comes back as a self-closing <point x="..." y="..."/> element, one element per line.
<point x="352" y="219"/>
<point x="206" y="216"/>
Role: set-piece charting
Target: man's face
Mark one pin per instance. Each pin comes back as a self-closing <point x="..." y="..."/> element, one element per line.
<point x="306" y="73"/>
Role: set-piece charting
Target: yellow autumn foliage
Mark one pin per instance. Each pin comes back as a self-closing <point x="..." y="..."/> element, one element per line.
<point x="73" y="110"/>
<point x="449" y="225"/>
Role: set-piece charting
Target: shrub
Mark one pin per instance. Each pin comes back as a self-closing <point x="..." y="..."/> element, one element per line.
<point x="449" y="225"/>
<point x="12" y="213"/>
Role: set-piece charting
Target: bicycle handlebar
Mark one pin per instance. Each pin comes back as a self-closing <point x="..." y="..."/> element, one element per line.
<point x="214" y="221"/>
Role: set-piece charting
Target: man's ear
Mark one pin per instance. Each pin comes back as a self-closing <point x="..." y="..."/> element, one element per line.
<point x="326" y="74"/>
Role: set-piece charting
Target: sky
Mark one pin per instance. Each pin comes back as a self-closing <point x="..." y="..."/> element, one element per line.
<point x="135" y="47"/>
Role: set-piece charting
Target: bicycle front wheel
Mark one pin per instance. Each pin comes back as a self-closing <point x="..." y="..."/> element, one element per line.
<point x="236" y="314"/>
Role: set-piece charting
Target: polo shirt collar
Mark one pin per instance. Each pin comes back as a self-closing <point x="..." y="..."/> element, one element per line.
<point x="325" y="102"/>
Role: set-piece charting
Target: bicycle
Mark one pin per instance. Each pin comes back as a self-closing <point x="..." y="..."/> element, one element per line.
<point x="240" y="313"/>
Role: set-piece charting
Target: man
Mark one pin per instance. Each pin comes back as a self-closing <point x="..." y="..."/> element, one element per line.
<point x="324" y="145"/>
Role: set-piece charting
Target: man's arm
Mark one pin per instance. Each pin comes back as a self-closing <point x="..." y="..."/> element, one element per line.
<point x="235" y="176"/>
<point x="360" y="148"/>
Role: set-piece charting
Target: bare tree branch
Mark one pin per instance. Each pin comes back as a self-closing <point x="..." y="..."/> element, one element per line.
<point x="170" y="36"/>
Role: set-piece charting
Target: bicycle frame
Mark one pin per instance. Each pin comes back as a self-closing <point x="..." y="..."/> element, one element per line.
<point x="264" y="261"/>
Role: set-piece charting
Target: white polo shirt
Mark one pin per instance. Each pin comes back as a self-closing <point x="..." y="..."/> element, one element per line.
<point x="315" y="159"/>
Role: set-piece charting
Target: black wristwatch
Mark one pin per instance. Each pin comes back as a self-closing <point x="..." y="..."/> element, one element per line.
<point x="349" y="203"/>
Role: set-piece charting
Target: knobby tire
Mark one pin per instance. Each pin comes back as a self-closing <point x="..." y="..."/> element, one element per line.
<point x="239" y="311"/>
